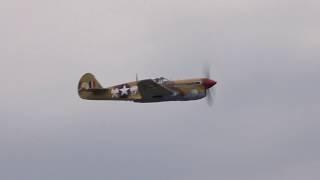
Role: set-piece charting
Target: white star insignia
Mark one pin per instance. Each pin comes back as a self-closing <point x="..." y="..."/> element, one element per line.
<point x="124" y="90"/>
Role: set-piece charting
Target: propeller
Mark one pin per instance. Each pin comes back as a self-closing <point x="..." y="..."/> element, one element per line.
<point x="210" y="92"/>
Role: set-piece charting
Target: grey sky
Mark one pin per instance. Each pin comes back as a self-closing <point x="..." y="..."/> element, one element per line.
<point x="263" y="53"/>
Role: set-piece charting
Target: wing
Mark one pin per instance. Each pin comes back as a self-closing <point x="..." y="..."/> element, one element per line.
<point x="149" y="89"/>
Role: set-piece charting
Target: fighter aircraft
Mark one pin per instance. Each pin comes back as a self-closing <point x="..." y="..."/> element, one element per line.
<point x="147" y="90"/>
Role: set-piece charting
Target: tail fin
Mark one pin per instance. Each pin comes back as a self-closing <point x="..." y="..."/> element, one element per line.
<point x="88" y="81"/>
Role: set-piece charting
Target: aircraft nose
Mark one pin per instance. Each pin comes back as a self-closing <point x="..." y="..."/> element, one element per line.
<point x="208" y="83"/>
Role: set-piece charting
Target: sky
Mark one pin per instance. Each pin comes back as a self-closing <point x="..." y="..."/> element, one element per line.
<point x="263" y="125"/>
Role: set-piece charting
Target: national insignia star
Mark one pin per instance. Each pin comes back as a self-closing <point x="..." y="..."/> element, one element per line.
<point x="124" y="90"/>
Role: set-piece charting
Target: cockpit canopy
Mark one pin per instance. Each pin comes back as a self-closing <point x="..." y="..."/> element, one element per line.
<point x="161" y="80"/>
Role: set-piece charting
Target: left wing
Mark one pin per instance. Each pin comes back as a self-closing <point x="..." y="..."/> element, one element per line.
<point x="150" y="89"/>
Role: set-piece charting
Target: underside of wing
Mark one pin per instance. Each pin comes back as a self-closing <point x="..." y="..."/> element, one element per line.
<point x="152" y="90"/>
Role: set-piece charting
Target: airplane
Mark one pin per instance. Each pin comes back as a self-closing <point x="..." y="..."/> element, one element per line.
<point x="147" y="90"/>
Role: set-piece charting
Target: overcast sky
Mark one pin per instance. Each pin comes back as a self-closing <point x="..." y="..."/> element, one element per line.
<point x="265" y="55"/>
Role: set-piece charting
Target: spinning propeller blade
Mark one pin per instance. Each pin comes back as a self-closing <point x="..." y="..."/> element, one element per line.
<point x="210" y="91"/>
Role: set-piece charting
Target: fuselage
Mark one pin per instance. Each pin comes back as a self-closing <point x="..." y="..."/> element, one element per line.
<point x="182" y="90"/>
<point x="146" y="91"/>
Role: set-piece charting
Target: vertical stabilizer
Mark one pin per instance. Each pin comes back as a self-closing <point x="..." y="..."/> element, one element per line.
<point x="86" y="84"/>
<point x="88" y="81"/>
